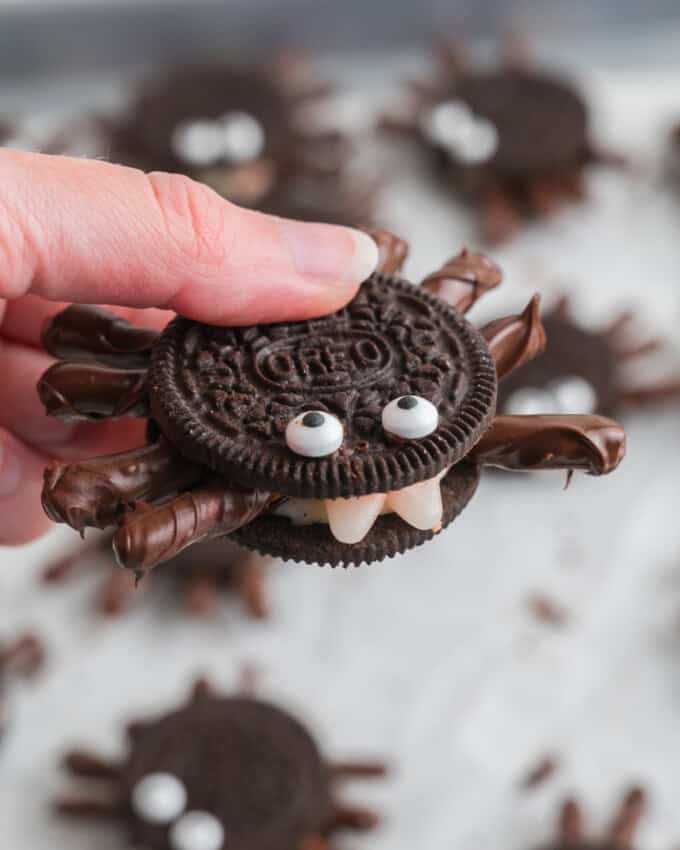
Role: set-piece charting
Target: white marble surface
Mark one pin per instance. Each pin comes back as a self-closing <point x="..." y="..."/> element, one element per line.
<point x="434" y="660"/>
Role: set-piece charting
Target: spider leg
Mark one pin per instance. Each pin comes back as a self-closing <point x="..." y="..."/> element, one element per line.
<point x="463" y="280"/>
<point x="514" y="340"/>
<point x="515" y="51"/>
<point x="147" y="535"/>
<point x="500" y="213"/>
<point x="116" y="592"/>
<point x="74" y="391"/>
<point x="571" y="822"/>
<point x="544" y="195"/>
<point x="614" y="330"/>
<point x="89" y="334"/>
<point x="201" y="689"/>
<point x="201" y="594"/>
<point x="80" y="807"/>
<point x="625" y="821"/>
<point x="61" y="568"/>
<point x="658" y="392"/>
<point x="591" y="443"/>
<point x="357" y="769"/>
<point x="392" y="250"/>
<point x="252" y="588"/>
<point x="315" y="842"/>
<point x="356" y="818"/>
<point x="562" y="307"/>
<point x="638" y="349"/>
<point x="453" y="56"/>
<point x="24" y="655"/>
<point x="93" y="493"/>
<point x="91" y="765"/>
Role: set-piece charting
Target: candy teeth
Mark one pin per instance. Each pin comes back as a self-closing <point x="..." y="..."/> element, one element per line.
<point x="350" y="520"/>
<point x="420" y="505"/>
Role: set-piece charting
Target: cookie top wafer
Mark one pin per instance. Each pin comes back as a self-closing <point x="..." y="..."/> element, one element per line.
<point x="250" y="767"/>
<point x="540" y="122"/>
<point x="236" y="399"/>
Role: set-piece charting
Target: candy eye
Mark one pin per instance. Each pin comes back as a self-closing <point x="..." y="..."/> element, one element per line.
<point x="468" y="137"/>
<point x="314" y="434"/>
<point x="410" y="417"/>
<point x="197" y="830"/>
<point x="159" y="798"/>
<point x="530" y="401"/>
<point x="574" y="394"/>
<point x="243" y="136"/>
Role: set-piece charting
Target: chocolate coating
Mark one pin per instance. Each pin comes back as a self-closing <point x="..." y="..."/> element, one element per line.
<point x="73" y="391"/>
<point x="592" y="443"/>
<point x="94" y="493"/>
<point x="148" y="536"/>
<point x="85" y="334"/>
<point x="516" y="340"/>
<point x="463" y="280"/>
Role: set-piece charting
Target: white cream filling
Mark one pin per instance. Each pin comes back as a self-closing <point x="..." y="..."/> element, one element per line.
<point x="350" y="520"/>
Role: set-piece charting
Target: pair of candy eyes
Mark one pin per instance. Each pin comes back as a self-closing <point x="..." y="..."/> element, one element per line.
<point x="161" y="798"/>
<point x="569" y="394"/>
<point x="318" y="434"/>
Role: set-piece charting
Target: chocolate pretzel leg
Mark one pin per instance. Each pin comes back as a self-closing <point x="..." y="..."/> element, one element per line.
<point x="92" y="493"/>
<point x="592" y="443"/>
<point x="25" y="655"/>
<point x="147" y="536"/>
<point x="90" y="334"/>
<point x="657" y="392"/>
<point x="392" y="250"/>
<point x="463" y="280"/>
<point x="514" y="340"/>
<point x="73" y="391"/>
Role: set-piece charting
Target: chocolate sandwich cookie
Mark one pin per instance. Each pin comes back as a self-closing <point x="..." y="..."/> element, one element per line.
<point x="223" y="772"/>
<point x="22" y="656"/>
<point x="512" y="139"/>
<point x="584" y="370"/>
<point x="338" y="440"/>
<point x="199" y="575"/>
<point x="620" y="834"/>
<point x="249" y="134"/>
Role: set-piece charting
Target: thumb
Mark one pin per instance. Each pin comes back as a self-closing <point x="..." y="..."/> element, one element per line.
<point x="87" y="231"/>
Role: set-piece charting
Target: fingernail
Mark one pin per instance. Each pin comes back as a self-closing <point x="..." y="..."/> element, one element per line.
<point x="10" y="472"/>
<point x="330" y="254"/>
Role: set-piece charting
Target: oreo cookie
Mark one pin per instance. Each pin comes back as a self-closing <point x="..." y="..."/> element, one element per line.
<point x="250" y="134"/>
<point x="223" y="772"/>
<point x="513" y="139"/>
<point x="583" y="370"/>
<point x="338" y="440"/>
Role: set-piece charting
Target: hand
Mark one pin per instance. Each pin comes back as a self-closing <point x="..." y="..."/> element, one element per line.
<point x="89" y="232"/>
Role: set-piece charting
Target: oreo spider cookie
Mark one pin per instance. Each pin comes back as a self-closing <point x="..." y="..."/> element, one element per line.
<point x="341" y="440"/>
<point x="222" y="772"/>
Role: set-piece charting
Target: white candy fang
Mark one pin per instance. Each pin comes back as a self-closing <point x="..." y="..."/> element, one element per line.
<point x="419" y="505"/>
<point x="350" y="520"/>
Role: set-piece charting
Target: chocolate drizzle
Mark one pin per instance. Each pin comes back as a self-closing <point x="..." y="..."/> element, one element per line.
<point x="89" y="391"/>
<point x="150" y="535"/>
<point x="392" y="250"/>
<point x="514" y="340"/>
<point x="592" y="443"/>
<point x="93" y="493"/>
<point x="84" y="333"/>
<point x="463" y="280"/>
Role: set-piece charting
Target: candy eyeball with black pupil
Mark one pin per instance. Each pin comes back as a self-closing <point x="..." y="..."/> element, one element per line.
<point x="314" y="433"/>
<point x="410" y="417"/>
<point x="573" y="394"/>
<point x="197" y="830"/>
<point x="159" y="798"/>
<point x="531" y="401"/>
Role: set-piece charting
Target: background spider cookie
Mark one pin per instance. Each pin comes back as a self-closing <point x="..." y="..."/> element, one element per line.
<point x="340" y="440"/>
<point x="260" y="136"/>
<point x="584" y="370"/>
<point x="223" y="772"/>
<point x="513" y="139"/>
